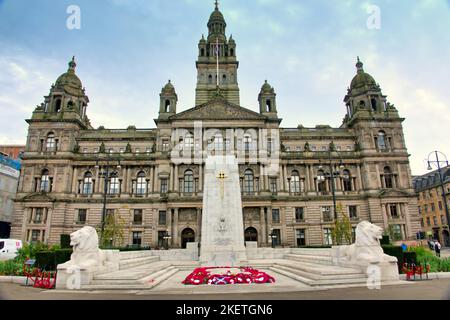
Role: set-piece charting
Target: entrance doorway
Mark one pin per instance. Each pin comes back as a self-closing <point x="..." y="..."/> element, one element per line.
<point x="446" y="235"/>
<point x="187" y="235"/>
<point x="251" y="234"/>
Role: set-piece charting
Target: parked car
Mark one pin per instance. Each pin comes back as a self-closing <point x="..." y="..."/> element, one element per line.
<point x="8" y="248"/>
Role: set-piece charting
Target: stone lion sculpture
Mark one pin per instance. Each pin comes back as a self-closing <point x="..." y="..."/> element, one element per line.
<point x="86" y="253"/>
<point x="367" y="248"/>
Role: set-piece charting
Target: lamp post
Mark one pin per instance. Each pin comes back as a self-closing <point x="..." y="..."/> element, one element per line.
<point x="332" y="174"/>
<point x="105" y="173"/>
<point x="166" y="238"/>
<point x="438" y="162"/>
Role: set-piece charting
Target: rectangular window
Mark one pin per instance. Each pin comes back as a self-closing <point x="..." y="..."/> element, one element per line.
<point x="35" y="235"/>
<point x="433" y="207"/>
<point x="428" y="222"/>
<point x="273" y="185"/>
<point x="300" y="235"/>
<point x="299" y="214"/>
<point x="440" y="205"/>
<point x="38" y="215"/>
<point x="164" y="186"/>
<point x="326" y="214"/>
<point x="397" y="232"/>
<point x="443" y="220"/>
<point x="275" y="215"/>
<point x="394" y="211"/>
<point x="162" y="221"/>
<point x="82" y="214"/>
<point x="353" y="212"/>
<point x="435" y="221"/>
<point x="327" y="237"/>
<point x="137" y="238"/>
<point x="165" y="145"/>
<point x="137" y="216"/>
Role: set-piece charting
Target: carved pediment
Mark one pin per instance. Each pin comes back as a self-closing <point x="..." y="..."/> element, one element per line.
<point x="218" y="109"/>
<point x="38" y="197"/>
<point x="393" y="193"/>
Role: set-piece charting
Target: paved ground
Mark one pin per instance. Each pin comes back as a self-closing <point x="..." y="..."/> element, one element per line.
<point x="445" y="253"/>
<point x="432" y="289"/>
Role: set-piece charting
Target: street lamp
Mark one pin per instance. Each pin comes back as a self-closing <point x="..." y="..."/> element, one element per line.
<point x="106" y="174"/>
<point x="332" y="174"/>
<point x="438" y="164"/>
<point x="166" y="238"/>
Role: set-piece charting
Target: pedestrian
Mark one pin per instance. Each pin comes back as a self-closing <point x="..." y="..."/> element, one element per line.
<point x="437" y="248"/>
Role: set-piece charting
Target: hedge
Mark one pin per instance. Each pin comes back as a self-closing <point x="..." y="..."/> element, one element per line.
<point x="48" y="260"/>
<point x="65" y="241"/>
<point x="385" y="241"/>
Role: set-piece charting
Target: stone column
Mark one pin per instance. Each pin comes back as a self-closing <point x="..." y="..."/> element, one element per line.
<point x="262" y="222"/>
<point x="378" y="177"/>
<point x="175" y="240"/>
<point x="286" y="187"/>
<point x="308" y="179"/>
<point x="359" y="181"/>
<point x="200" y="177"/>
<point x="199" y="224"/>
<point x="176" y="182"/>
<point x="74" y="180"/>
<point x="311" y="181"/>
<point x="399" y="182"/>
<point x="152" y="180"/>
<point x="171" y="179"/>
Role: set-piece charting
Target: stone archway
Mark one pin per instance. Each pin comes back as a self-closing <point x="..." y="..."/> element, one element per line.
<point x="187" y="235"/>
<point x="251" y="234"/>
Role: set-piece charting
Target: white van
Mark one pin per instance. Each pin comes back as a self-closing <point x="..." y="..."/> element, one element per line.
<point x="8" y="248"/>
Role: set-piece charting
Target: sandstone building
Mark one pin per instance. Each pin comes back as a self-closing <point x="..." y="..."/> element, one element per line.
<point x="156" y="175"/>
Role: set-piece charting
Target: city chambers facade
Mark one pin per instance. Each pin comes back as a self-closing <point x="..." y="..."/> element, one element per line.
<point x="151" y="180"/>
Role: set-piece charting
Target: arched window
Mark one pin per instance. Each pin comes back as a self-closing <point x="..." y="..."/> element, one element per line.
<point x="51" y="142"/>
<point x="249" y="186"/>
<point x="167" y="106"/>
<point x="45" y="181"/>
<point x="362" y="104"/>
<point x="388" y="181"/>
<point x="224" y="79"/>
<point x="374" y="104"/>
<point x="87" y="183"/>
<point x="189" y="142"/>
<point x="381" y="140"/>
<point x="114" y="184"/>
<point x="268" y="105"/>
<point x="247" y="143"/>
<point x="295" y="182"/>
<point x="251" y="234"/>
<point x="188" y="182"/>
<point x="232" y="52"/>
<point x="210" y="79"/>
<point x="321" y="181"/>
<point x="141" y="183"/>
<point x="347" y="180"/>
<point x="218" y="143"/>
<point x="202" y="52"/>
<point x="58" y="105"/>
<point x="70" y="104"/>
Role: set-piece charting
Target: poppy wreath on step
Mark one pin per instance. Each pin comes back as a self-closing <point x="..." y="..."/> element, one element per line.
<point x="247" y="275"/>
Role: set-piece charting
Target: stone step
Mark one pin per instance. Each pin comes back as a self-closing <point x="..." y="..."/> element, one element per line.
<point x="326" y="260"/>
<point x="319" y="274"/>
<point x="135" y="273"/>
<point x="293" y="274"/>
<point x="314" y="252"/>
<point x="124" y="255"/>
<point x="321" y="270"/>
<point x="134" y="262"/>
<point x="146" y="283"/>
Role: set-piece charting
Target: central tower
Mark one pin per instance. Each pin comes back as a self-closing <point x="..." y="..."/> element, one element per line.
<point x="216" y="46"/>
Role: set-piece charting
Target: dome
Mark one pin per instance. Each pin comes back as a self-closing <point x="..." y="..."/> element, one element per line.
<point x="169" y="88"/>
<point x="266" y="87"/>
<point x="362" y="79"/>
<point x="216" y="16"/>
<point x="69" y="81"/>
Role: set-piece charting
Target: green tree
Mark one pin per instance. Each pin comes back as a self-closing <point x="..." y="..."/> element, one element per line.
<point x="342" y="232"/>
<point x="113" y="232"/>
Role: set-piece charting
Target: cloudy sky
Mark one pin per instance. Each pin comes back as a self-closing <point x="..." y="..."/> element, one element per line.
<point x="126" y="51"/>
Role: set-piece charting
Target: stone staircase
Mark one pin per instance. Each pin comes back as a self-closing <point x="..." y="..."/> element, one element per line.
<point x="138" y="271"/>
<point x="314" y="268"/>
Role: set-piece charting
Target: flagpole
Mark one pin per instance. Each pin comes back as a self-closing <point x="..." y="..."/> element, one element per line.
<point x="217" y="54"/>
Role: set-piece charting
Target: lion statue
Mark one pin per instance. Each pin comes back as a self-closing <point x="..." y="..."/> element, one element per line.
<point x="366" y="249"/>
<point x="86" y="253"/>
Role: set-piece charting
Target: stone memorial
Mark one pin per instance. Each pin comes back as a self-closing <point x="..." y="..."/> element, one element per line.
<point x="222" y="242"/>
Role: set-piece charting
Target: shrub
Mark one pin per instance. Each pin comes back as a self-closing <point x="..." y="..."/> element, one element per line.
<point x="385" y="241"/>
<point x="65" y="241"/>
<point x="425" y="255"/>
<point x="11" y="268"/>
<point x="395" y="251"/>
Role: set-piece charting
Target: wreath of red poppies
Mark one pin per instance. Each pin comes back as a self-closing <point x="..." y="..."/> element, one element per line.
<point x="247" y="275"/>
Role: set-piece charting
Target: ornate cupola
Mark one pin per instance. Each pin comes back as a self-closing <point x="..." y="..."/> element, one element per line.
<point x="217" y="64"/>
<point x="168" y="101"/>
<point x="67" y="98"/>
<point x="364" y="96"/>
<point x="267" y="101"/>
